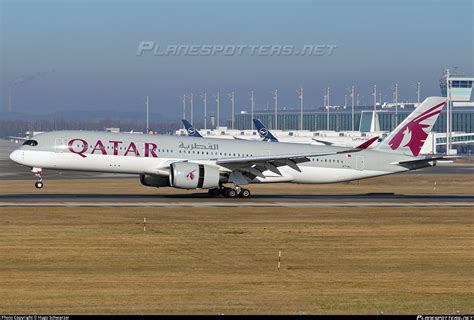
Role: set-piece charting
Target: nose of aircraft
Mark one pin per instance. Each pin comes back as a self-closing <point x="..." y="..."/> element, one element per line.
<point x="15" y="156"/>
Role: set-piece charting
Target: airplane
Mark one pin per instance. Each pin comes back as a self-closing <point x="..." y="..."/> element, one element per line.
<point x="190" y="129"/>
<point x="266" y="135"/>
<point x="262" y="131"/>
<point x="206" y="163"/>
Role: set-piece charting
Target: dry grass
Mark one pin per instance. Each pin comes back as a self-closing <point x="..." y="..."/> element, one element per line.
<point x="402" y="184"/>
<point x="210" y="260"/>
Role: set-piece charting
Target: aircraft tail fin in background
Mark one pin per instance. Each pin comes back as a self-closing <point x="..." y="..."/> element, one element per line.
<point x="190" y="129"/>
<point x="263" y="131"/>
<point x="410" y="135"/>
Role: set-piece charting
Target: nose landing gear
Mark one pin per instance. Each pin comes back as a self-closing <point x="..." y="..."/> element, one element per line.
<point x="39" y="174"/>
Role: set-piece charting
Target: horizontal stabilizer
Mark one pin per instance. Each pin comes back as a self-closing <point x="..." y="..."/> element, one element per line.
<point x="367" y="143"/>
<point x="327" y="143"/>
<point x="424" y="162"/>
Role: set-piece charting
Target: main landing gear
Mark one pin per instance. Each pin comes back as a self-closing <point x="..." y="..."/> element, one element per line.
<point x="230" y="192"/>
<point x="39" y="175"/>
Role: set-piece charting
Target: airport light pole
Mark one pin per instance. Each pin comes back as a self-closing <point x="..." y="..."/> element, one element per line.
<point x="232" y="100"/>
<point x="375" y="97"/>
<point x="204" y="97"/>
<point x="183" y="99"/>
<point x="252" y="106"/>
<point x="147" y="126"/>
<point x="448" y="112"/>
<point x="353" y="98"/>
<point x="396" y="104"/>
<point x="217" y="96"/>
<point x="327" y="107"/>
<point x="418" y="90"/>
<point x="301" y="96"/>
<point x="191" y="103"/>
<point x="275" y="97"/>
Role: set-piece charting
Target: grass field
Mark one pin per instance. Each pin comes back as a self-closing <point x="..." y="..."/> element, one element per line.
<point x="214" y="260"/>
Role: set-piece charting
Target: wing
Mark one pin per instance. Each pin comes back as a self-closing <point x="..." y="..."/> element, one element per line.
<point x="255" y="166"/>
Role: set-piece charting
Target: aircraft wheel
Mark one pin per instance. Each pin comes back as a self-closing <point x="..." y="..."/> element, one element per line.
<point x="39" y="184"/>
<point x="245" y="193"/>
<point x="215" y="192"/>
<point x="230" y="193"/>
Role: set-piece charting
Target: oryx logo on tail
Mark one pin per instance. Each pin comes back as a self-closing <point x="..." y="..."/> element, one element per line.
<point x="411" y="134"/>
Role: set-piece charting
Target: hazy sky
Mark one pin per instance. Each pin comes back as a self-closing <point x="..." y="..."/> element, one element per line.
<point x="62" y="55"/>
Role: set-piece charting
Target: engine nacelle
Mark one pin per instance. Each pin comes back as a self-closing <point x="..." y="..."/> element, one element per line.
<point x="187" y="175"/>
<point x="154" y="181"/>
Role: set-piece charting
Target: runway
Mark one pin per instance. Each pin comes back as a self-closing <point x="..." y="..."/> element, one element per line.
<point x="202" y="200"/>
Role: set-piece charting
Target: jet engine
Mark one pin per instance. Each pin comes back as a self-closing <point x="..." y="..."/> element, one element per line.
<point x="186" y="175"/>
<point x="154" y="181"/>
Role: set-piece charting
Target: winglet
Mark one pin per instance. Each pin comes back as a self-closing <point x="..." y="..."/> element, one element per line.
<point x="263" y="131"/>
<point x="190" y="129"/>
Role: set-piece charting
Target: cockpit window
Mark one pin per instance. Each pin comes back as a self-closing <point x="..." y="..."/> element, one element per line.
<point x="31" y="143"/>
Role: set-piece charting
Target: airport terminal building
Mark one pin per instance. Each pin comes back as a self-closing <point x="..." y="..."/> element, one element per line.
<point x="341" y="119"/>
<point x="388" y="115"/>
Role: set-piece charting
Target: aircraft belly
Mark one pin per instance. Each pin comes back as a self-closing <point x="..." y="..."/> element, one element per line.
<point x="332" y="175"/>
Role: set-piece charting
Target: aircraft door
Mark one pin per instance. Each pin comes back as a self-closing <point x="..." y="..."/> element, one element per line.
<point x="360" y="163"/>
